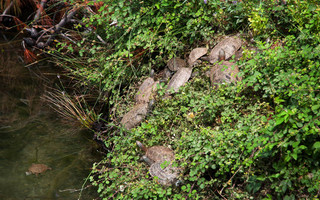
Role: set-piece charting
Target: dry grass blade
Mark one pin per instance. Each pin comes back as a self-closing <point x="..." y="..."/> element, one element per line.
<point x="71" y="108"/>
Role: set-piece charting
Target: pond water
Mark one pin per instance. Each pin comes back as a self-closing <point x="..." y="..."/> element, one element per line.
<point x="30" y="132"/>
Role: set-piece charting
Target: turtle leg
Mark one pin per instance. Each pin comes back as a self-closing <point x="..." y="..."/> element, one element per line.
<point x="147" y="160"/>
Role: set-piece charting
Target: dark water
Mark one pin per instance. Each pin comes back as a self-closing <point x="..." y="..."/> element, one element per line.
<point x="30" y="132"/>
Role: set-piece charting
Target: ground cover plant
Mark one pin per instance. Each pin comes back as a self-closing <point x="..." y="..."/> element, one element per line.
<point x="258" y="139"/>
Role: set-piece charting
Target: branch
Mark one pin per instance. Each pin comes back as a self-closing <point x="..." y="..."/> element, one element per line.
<point x="40" y="9"/>
<point x="62" y="23"/>
<point x="8" y="8"/>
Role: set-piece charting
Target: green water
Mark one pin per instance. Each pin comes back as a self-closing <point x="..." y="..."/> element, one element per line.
<point x="30" y="132"/>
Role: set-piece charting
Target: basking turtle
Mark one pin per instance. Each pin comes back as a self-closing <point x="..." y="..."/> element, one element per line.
<point x="195" y="54"/>
<point x="146" y="90"/>
<point x="160" y="160"/>
<point x="229" y="45"/>
<point x="174" y="64"/>
<point x="136" y="115"/>
<point x="167" y="175"/>
<point x="226" y="72"/>
<point x="37" y="169"/>
<point x="179" y="79"/>
<point x="156" y="153"/>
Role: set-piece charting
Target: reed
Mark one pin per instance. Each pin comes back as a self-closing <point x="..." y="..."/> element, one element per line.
<point x="71" y="108"/>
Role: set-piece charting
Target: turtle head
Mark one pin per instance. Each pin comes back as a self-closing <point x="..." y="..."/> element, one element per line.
<point x="177" y="183"/>
<point x="141" y="146"/>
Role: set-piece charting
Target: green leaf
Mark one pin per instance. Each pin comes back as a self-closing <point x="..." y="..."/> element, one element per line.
<point x="279" y="121"/>
<point x="315" y="108"/>
<point x="294" y="156"/>
<point x="316" y="145"/>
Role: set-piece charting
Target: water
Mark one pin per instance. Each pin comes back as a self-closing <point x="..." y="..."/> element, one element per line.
<point x="30" y="132"/>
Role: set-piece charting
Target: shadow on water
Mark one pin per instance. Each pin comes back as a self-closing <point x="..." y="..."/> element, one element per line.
<point x="32" y="133"/>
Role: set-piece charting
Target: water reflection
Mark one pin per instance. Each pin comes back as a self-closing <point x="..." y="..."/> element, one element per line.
<point x="31" y="133"/>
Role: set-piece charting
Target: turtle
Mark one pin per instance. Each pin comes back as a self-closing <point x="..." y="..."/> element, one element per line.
<point x="156" y="153"/>
<point x="160" y="159"/>
<point x="179" y="79"/>
<point x="146" y="90"/>
<point x="166" y="175"/>
<point x="37" y="169"/>
<point x="230" y="45"/>
<point x="195" y="54"/>
<point x="136" y="115"/>
<point x="226" y="72"/>
<point x="176" y="63"/>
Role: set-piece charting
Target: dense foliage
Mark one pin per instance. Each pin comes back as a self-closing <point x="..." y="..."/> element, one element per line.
<point x="256" y="139"/>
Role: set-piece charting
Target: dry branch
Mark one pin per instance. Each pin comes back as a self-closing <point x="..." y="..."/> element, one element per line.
<point x="40" y="10"/>
<point x="8" y="8"/>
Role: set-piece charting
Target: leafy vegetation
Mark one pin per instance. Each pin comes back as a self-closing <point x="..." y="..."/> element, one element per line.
<point x="258" y="139"/>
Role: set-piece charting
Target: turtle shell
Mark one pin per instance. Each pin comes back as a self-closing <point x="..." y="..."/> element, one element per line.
<point x="167" y="175"/>
<point x="179" y="79"/>
<point x="176" y="63"/>
<point x="135" y="116"/>
<point x="229" y="45"/>
<point x="37" y="169"/>
<point x="160" y="154"/>
<point x="226" y="72"/>
<point x="146" y="91"/>
<point x="157" y="153"/>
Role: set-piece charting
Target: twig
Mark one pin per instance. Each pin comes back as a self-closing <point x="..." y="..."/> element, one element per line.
<point x="190" y="191"/>
<point x="8" y="8"/>
<point x="62" y="23"/>
<point x="252" y="154"/>
<point x="74" y="190"/>
<point x="40" y="9"/>
<point x="68" y="38"/>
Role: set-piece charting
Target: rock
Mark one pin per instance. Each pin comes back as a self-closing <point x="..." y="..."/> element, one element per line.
<point x="196" y="54"/>
<point x="147" y="88"/>
<point x="135" y="116"/>
<point x="175" y="64"/>
<point x="230" y="45"/>
<point x="179" y="79"/>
